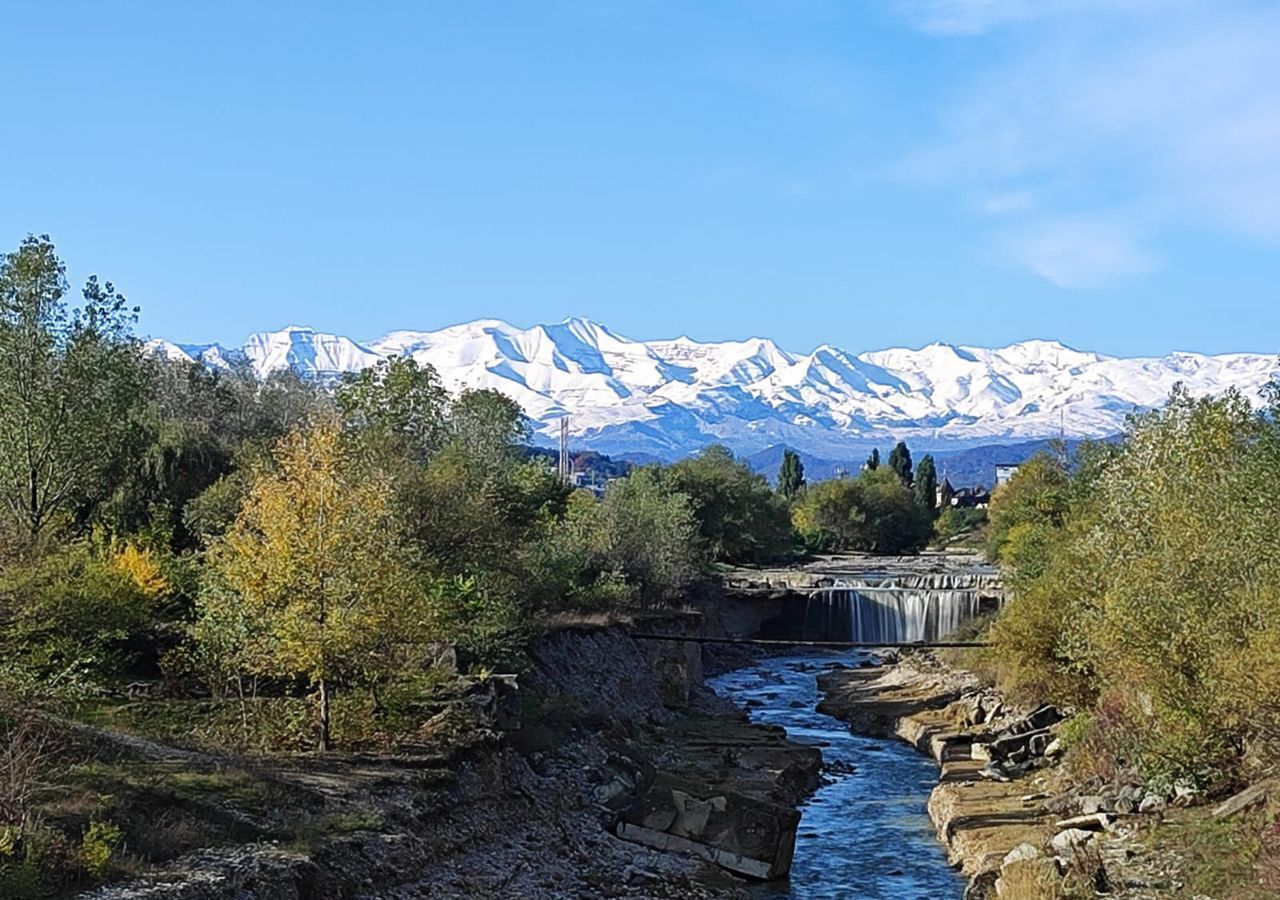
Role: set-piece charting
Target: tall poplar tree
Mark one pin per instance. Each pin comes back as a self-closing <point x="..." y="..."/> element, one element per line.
<point x="926" y="485"/>
<point x="900" y="462"/>
<point x="790" y="474"/>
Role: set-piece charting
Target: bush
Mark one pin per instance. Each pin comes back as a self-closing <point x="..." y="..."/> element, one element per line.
<point x="646" y="534"/>
<point x="211" y="514"/>
<point x="96" y="847"/>
<point x="1148" y="586"/>
<point x="954" y="521"/>
<point x="740" y="519"/>
<point x="1037" y="494"/>
<point x="76" y="609"/>
<point x="874" y="512"/>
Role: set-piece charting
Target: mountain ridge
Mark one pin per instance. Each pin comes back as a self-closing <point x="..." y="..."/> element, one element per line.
<point x="671" y="397"/>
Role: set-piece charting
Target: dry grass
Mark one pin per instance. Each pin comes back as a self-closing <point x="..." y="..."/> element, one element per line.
<point x="1229" y="859"/>
<point x="606" y="617"/>
<point x="1032" y="879"/>
<point x="573" y="619"/>
<point x="28" y="752"/>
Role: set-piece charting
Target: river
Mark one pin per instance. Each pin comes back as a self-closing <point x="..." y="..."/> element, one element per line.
<point x="864" y="834"/>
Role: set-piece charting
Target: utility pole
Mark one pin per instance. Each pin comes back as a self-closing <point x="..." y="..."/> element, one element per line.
<point x="1062" y="436"/>
<point x="565" y="467"/>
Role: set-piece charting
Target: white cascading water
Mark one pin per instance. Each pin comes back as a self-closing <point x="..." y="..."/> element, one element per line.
<point x="891" y="610"/>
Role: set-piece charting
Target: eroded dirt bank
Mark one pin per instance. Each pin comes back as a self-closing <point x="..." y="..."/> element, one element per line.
<point x="614" y="738"/>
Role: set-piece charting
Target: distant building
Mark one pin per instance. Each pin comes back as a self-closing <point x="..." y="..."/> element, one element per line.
<point x="971" y="498"/>
<point x="1005" y="471"/>
<point x="589" y="481"/>
<point x="945" y="493"/>
<point x="964" y="498"/>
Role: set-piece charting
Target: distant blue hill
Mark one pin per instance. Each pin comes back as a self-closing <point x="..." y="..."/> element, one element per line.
<point x="969" y="467"/>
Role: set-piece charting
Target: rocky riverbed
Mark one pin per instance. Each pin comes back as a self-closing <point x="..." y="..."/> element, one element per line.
<point x="624" y="775"/>
<point x="1010" y="818"/>
<point x="865" y="832"/>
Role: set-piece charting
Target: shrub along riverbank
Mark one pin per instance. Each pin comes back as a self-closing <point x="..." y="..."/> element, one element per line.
<point x="1145" y="581"/>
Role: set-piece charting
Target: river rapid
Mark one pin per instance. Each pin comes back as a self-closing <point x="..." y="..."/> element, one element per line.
<point x="864" y="833"/>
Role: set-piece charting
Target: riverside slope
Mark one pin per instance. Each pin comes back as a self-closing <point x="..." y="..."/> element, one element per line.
<point x="670" y="397"/>
<point x="612" y="732"/>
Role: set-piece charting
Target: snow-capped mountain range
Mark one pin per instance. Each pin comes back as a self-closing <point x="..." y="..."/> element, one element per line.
<point x="671" y="397"/>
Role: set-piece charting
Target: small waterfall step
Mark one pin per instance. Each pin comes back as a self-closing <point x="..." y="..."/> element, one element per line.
<point x="908" y="609"/>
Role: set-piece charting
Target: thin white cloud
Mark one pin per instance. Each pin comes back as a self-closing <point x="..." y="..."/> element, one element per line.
<point x="1006" y="202"/>
<point x="968" y="17"/>
<point x="1081" y="252"/>
<point x="1171" y="122"/>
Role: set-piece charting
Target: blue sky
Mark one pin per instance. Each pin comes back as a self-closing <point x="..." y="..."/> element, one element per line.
<point x="866" y="173"/>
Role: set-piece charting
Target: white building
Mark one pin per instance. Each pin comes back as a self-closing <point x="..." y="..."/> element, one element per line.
<point x="1005" y="471"/>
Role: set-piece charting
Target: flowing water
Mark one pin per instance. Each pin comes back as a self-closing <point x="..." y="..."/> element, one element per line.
<point x="864" y="833"/>
<point x="925" y="608"/>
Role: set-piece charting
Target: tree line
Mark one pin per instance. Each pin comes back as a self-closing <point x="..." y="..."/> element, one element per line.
<point x="161" y="519"/>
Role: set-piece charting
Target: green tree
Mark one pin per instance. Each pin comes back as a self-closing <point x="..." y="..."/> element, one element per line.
<point x="926" y="486"/>
<point x="183" y="442"/>
<point x="209" y="515"/>
<point x="280" y="403"/>
<point x="648" y="534"/>
<point x="315" y="568"/>
<point x="900" y="462"/>
<point x="873" y="460"/>
<point x="488" y="425"/>
<point x="874" y="512"/>
<point x="790" y="474"/>
<point x="1146" y="587"/>
<point x="70" y="382"/>
<point x="740" y="519"/>
<point x="1037" y="494"/>
<point x="396" y="402"/>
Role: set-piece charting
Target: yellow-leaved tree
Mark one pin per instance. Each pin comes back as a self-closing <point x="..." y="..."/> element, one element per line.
<point x="315" y="564"/>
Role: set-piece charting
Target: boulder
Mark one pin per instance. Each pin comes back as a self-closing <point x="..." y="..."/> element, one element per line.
<point x="745" y="835"/>
<point x="1185" y="793"/>
<point x="1151" y="803"/>
<point x="993" y="709"/>
<point x="1130" y="791"/>
<point x="1012" y="742"/>
<point x="1041" y="717"/>
<point x="982" y="886"/>
<point x="1021" y="853"/>
<point x="992" y="772"/>
<point x="1068" y="841"/>
<point x="1093" y="822"/>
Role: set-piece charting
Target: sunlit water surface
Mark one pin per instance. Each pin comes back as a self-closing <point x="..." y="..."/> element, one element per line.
<point x="865" y="832"/>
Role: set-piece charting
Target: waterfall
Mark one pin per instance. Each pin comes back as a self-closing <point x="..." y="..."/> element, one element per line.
<point x="902" y="609"/>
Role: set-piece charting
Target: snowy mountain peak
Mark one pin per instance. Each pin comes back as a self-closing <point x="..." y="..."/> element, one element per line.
<point x="671" y="397"/>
